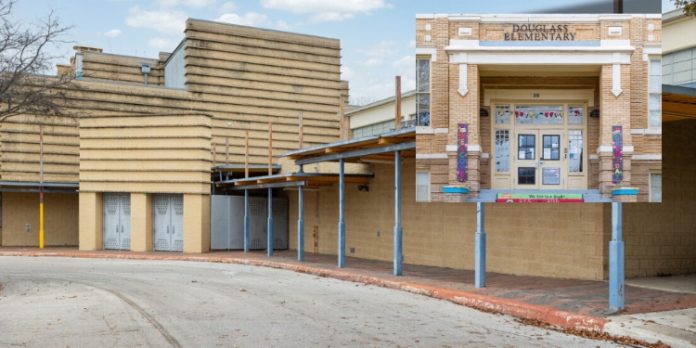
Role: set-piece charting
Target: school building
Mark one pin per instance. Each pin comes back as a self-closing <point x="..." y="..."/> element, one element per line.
<point x="563" y="105"/>
<point x="158" y="159"/>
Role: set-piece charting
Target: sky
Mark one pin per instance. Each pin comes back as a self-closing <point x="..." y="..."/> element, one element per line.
<point x="377" y="36"/>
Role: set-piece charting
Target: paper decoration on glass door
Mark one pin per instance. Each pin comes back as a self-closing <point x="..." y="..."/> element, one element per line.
<point x="617" y="154"/>
<point x="462" y="148"/>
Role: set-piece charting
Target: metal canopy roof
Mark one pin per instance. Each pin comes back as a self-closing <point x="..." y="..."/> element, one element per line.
<point x="294" y="180"/>
<point x="678" y="103"/>
<point x="239" y="168"/>
<point x="33" y="186"/>
<point x="366" y="149"/>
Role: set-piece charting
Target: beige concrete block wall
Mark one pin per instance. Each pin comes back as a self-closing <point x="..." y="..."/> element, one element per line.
<point x="145" y="153"/>
<point x="261" y="76"/>
<point x="20" y="148"/>
<point x="22" y="209"/>
<point x="565" y="241"/>
<point x="91" y="219"/>
<point x="141" y="222"/>
<point x="660" y="239"/>
<point x="196" y="223"/>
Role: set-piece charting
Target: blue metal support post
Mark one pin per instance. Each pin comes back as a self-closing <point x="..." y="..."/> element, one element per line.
<point x="247" y="237"/>
<point x="300" y="223"/>
<point x="616" y="260"/>
<point x="398" y="231"/>
<point x="480" y="253"/>
<point x="341" y="220"/>
<point x="269" y="236"/>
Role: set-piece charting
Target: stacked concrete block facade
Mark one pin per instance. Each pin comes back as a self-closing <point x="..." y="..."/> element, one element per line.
<point x="590" y="73"/>
<point x="135" y="143"/>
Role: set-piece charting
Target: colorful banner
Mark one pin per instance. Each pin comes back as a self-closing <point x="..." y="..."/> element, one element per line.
<point x="540" y="198"/>
<point x="617" y="154"/>
<point x="462" y="148"/>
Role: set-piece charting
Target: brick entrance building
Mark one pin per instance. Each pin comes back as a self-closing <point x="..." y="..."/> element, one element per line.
<point x="560" y="104"/>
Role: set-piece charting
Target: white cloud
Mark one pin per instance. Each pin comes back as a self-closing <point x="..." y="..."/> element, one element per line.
<point x="164" y="21"/>
<point x="190" y="3"/>
<point x="376" y="54"/>
<point x="327" y="10"/>
<point x="228" y="7"/>
<point x="346" y="72"/>
<point x="161" y="43"/>
<point x="283" y="25"/>
<point x="252" y="19"/>
<point x="373" y="62"/>
<point x="113" y="33"/>
<point x="405" y="62"/>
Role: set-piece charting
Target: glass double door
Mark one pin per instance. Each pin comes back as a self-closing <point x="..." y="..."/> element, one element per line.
<point x="539" y="159"/>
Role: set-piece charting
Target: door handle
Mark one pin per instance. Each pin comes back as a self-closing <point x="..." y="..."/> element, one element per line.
<point x="167" y="229"/>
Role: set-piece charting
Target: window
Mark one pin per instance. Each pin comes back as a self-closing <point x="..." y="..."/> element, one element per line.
<point x="552" y="147"/>
<point x="423" y="91"/>
<point x="575" y="151"/>
<point x="655" y="189"/>
<point x="539" y="114"/>
<point x="525" y="146"/>
<point x="422" y="187"/>
<point x="576" y="114"/>
<point x="502" y="151"/>
<point x="526" y="175"/>
<point x="655" y="97"/>
<point x="373" y="129"/>
<point x="502" y="114"/>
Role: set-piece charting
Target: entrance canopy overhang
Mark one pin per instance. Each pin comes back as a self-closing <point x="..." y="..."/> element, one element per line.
<point x="366" y="150"/>
<point x="678" y="103"/>
<point x="294" y="180"/>
<point x="35" y="186"/>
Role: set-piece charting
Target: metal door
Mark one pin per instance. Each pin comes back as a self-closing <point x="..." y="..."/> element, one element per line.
<point x="168" y="212"/>
<point x="124" y="219"/>
<point x="116" y="221"/>
<point x="177" y="222"/>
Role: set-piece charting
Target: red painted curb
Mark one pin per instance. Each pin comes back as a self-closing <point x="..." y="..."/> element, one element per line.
<point x="548" y="315"/>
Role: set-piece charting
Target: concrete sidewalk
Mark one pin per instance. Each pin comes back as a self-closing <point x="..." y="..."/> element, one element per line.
<point x="574" y="305"/>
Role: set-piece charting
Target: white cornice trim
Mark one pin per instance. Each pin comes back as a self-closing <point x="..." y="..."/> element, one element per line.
<point x="424" y="130"/>
<point x="508" y="57"/>
<point x="516" y="17"/>
<point x="427" y="51"/>
<point x="646" y="131"/>
<point x="470" y="148"/>
<point x="431" y="156"/>
<point x="647" y="157"/>
<point x="627" y="149"/>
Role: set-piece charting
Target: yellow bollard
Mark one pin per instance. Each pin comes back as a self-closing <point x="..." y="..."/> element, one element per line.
<point x="41" y="223"/>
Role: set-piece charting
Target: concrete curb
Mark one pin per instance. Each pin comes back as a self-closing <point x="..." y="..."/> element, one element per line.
<point x="517" y="309"/>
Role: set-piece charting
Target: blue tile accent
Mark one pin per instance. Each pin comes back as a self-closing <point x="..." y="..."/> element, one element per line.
<point x="455" y="189"/>
<point x="625" y="191"/>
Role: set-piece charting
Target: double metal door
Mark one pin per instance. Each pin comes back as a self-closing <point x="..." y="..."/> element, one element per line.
<point x="168" y="222"/>
<point x="116" y="221"/>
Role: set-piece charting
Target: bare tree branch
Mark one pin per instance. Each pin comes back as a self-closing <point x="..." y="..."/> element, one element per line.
<point x="24" y="58"/>
<point x="688" y="6"/>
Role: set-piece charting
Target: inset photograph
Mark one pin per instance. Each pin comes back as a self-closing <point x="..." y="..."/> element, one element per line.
<point x="538" y="108"/>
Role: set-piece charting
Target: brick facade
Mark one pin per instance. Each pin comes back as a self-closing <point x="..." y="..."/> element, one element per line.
<point x="608" y="55"/>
